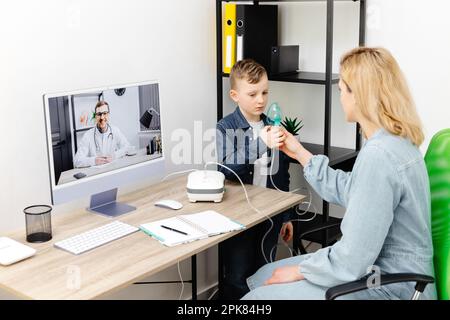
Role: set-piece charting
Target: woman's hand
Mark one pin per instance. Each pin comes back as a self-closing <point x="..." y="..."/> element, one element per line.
<point x="285" y="274"/>
<point x="273" y="137"/>
<point x="287" y="231"/>
<point x="292" y="147"/>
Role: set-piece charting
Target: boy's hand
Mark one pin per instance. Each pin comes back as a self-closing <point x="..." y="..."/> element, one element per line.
<point x="287" y="231"/>
<point x="273" y="137"/>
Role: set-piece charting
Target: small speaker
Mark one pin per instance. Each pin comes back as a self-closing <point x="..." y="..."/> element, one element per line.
<point x="284" y="60"/>
<point x="146" y="119"/>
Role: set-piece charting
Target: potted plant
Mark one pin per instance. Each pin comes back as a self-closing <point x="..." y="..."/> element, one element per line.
<point x="292" y="126"/>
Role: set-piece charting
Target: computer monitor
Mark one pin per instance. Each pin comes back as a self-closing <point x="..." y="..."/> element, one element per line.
<point x="103" y="138"/>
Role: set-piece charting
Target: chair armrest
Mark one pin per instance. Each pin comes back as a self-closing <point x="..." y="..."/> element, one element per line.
<point x="325" y="226"/>
<point x="359" y="285"/>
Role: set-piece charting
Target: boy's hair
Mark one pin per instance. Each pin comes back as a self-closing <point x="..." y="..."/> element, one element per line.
<point x="247" y="69"/>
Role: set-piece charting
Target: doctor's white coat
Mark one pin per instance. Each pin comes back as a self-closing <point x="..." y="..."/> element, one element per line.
<point x="93" y="144"/>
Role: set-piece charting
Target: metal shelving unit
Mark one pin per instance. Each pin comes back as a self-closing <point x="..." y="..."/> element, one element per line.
<point x="339" y="157"/>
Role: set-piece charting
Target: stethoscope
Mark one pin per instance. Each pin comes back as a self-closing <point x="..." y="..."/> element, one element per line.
<point x="97" y="147"/>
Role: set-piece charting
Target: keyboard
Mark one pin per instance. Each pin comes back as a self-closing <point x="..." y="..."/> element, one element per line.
<point x="97" y="237"/>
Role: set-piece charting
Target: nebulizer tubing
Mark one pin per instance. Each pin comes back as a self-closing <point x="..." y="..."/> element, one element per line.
<point x="251" y="206"/>
<point x="276" y="122"/>
<point x="274" y="115"/>
<point x="248" y="201"/>
<point x="178" y="172"/>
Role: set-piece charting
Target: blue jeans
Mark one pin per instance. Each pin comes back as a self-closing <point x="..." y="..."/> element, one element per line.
<point x="299" y="290"/>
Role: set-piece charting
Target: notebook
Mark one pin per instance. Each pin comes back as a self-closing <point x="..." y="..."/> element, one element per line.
<point x="195" y="226"/>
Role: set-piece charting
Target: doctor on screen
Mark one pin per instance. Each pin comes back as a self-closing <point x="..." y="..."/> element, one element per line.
<point x="101" y="144"/>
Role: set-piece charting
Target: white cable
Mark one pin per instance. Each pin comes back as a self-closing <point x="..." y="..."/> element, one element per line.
<point x="304" y="202"/>
<point x="293" y="191"/>
<point x="296" y="207"/>
<point x="178" y="172"/>
<point x="178" y="263"/>
<point x="284" y="244"/>
<point x="254" y="208"/>
<point x="271" y="178"/>
<point x="250" y="204"/>
<point x="181" y="278"/>
<point x="212" y="294"/>
<point x="309" y="219"/>
<point x="269" y="218"/>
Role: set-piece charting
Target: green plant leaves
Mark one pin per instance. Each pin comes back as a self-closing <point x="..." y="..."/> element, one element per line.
<point x="291" y="125"/>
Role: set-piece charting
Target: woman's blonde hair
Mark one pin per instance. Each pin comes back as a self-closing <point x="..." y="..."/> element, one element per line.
<point x="381" y="92"/>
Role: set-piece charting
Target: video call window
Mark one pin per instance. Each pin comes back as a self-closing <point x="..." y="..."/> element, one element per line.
<point x="95" y="132"/>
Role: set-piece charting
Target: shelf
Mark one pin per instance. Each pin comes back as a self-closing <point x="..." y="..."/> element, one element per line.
<point x="83" y="129"/>
<point x="340" y="158"/>
<point x="336" y="156"/>
<point x="305" y="77"/>
<point x="302" y="77"/>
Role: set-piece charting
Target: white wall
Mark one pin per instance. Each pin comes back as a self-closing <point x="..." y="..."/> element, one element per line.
<point x="59" y="46"/>
<point x="138" y="43"/>
<point x="125" y="112"/>
<point x="417" y="33"/>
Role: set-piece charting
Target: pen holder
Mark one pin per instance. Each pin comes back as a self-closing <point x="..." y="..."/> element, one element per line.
<point x="38" y="223"/>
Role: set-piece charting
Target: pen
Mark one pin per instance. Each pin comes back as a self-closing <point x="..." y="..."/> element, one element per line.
<point x="172" y="229"/>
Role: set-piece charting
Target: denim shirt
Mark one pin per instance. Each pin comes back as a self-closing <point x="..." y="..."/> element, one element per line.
<point x="237" y="149"/>
<point x="387" y="224"/>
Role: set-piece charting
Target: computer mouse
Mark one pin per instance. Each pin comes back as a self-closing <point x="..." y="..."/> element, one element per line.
<point x="170" y="204"/>
<point x="79" y="175"/>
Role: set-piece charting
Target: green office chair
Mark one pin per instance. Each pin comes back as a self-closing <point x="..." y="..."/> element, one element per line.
<point x="437" y="160"/>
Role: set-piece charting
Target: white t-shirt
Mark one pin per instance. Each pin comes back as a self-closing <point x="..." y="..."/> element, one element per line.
<point x="261" y="169"/>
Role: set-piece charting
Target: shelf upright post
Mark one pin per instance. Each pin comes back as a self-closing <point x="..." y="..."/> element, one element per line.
<point x="219" y="116"/>
<point x="362" y="42"/>
<point x="328" y="100"/>
<point x="328" y="76"/>
<point x="219" y="59"/>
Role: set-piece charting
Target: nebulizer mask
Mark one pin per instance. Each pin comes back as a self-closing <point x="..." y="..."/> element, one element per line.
<point x="274" y="119"/>
<point x="274" y="114"/>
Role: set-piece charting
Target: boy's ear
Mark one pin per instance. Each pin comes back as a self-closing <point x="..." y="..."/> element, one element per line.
<point x="234" y="95"/>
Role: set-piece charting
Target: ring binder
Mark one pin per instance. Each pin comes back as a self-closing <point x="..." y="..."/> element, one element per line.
<point x="229" y="46"/>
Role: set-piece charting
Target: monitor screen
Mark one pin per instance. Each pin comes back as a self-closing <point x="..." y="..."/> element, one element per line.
<point x="96" y="132"/>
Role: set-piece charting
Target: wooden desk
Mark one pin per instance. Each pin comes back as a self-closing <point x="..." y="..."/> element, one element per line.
<point x="120" y="263"/>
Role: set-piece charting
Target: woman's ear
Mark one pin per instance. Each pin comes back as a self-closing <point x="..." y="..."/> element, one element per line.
<point x="234" y="95"/>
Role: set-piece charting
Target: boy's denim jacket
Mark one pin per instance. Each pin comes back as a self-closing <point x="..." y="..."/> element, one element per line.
<point x="237" y="149"/>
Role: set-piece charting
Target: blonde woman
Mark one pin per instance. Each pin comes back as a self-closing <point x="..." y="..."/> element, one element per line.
<point x="386" y="226"/>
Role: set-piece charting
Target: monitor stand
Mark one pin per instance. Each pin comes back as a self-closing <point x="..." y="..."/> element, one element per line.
<point x="105" y="203"/>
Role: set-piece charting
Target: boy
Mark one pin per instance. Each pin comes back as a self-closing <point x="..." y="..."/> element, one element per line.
<point x="244" y="143"/>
